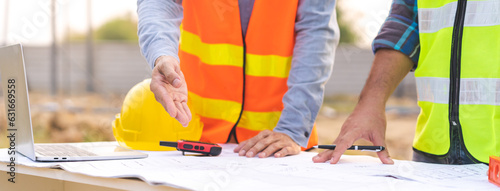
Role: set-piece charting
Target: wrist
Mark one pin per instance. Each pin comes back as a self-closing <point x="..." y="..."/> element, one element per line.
<point x="370" y="105"/>
<point x="165" y="59"/>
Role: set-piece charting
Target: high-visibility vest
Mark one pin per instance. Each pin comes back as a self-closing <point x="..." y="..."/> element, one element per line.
<point x="237" y="84"/>
<point x="458" y="77"/>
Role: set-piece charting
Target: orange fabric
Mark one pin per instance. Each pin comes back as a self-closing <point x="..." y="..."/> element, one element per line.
<point x="265" y="28"/>
<point x="264" y="93"/>
<point x="206" y="81"/>
<point x="270" y="32"/>
<point x="213" y="21"/>
<point x="313" y="138"/>
<point x="213" y="128"/>
<point x="244" y="134"/>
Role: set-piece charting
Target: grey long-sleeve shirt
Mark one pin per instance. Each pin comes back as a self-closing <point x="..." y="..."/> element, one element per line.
<point x="312" y="62"/>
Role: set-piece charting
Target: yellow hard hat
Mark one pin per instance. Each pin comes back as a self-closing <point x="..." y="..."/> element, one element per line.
<point x="143" y="122"/>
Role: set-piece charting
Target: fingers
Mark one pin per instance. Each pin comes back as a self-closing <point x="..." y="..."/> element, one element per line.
<point x="268" y="143"/>
<point x="170" y="69"/>
<point x="268" y="146"/>
<point x="342" y="146"/>
<point x="245" y="150"/>
<point x="181" y="114"/>
<point x="343" y="142"/>
<point x="239" y="147"/>
<point x="170" y="89"/>
<point x="334" y="155"/>
<point x="365" y="122"/>
<point x="287" y="151"/>
<point x="179" y="111"/>
<point x="163" y="97"/>
<point x="278" y="149"/>
<point x="187" y="110"/>
<point x="171" y="75"/>
<point x="383" y="155"/>
<point x="272" y="149"/>
<point x="323" y="156"/>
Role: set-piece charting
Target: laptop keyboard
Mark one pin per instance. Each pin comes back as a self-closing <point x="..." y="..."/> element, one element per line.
<point x="62" y="151"/>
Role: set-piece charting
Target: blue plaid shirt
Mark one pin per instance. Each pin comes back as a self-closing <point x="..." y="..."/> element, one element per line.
<point x="400" y="30"/>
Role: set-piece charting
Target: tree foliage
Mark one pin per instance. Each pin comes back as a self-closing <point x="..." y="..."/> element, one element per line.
<point x="347" y="34"/>
<point x="125" y="29"/>
<point x="118" y="29"/>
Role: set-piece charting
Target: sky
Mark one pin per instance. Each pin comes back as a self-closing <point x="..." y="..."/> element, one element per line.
<point x="366" y="16"/>
<point x="29" y="20"/>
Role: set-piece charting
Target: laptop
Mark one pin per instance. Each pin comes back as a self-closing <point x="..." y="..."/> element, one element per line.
<point x="15" y="92"/>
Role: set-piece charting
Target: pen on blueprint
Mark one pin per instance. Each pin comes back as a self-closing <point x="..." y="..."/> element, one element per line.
<point x="354" y="147"/>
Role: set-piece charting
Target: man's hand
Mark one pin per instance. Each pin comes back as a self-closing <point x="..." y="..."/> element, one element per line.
<point x="267" y="143"/>
<point x="170" y="89"/>
<point x="367" y="123"/>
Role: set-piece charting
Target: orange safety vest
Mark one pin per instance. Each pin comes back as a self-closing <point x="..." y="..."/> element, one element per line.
<point x="235" y="84"/>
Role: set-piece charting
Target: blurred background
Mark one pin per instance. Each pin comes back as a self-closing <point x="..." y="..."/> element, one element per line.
<point x="82" y="57"/>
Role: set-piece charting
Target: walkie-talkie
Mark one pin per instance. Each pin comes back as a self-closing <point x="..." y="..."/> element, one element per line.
<point x="209" y="149"/>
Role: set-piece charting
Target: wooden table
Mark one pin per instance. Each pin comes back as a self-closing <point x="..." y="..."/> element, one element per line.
<point x="34" y="178"/>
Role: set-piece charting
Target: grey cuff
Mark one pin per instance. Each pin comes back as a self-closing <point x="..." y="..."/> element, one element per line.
<point x="156" y="50"/>
<point x="300" y="137"/>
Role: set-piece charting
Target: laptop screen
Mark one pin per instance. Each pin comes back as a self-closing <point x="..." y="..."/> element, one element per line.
<point x="15" y="93"/>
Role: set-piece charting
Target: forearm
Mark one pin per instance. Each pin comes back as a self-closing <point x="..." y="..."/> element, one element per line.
<point x="158" y="28"/>
<point x="388" y="70"/>
<point x="316" y="40"/>
<point x="395" y="47"/>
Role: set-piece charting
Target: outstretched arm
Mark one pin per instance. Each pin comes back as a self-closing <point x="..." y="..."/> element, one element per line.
<point x="158" y="31"/>
<point x="397" y="51"/>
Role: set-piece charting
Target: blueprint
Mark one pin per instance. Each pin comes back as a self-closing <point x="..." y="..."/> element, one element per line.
<point x="230" y="172"/>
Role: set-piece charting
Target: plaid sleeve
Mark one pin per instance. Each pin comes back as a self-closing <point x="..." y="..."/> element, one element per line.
<point x="400" y="30"/>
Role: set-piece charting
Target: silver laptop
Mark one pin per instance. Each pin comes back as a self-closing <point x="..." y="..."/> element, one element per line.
<point x="15" y="92"/>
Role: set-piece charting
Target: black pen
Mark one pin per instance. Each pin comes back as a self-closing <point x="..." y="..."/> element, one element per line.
<point x="354" y="147"/>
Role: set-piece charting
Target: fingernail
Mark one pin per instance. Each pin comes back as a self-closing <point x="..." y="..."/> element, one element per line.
<point x="315" y="159"/>
<point x="250" y="154"/>
<point x="277" y="155"/>
<point x="262" y="155"/>
<point x="176" y="83"/>
<point x="390" y="160"/>
<point x="332" y="162"/>
<point x="242" y="152"/>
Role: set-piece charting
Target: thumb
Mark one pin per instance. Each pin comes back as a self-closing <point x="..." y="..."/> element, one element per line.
<point x="170" y="70"/>
<point x="383" y="155"/>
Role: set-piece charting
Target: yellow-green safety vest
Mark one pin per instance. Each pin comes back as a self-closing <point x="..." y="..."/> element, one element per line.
<point x="458" y="77"/>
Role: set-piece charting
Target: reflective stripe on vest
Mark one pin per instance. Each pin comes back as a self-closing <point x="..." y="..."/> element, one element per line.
<point x="219" y="66"/>
<point x="258" y="65"/>
<point x="479" y="13"/>
<point x="479" y="94"/>
<point x="479" y="91"/>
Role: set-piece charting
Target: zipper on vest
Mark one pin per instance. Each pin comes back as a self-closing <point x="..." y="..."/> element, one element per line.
<point x="233" y="130"/>
<point x="456" y="51"/>
<point x="456" y="137"/>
